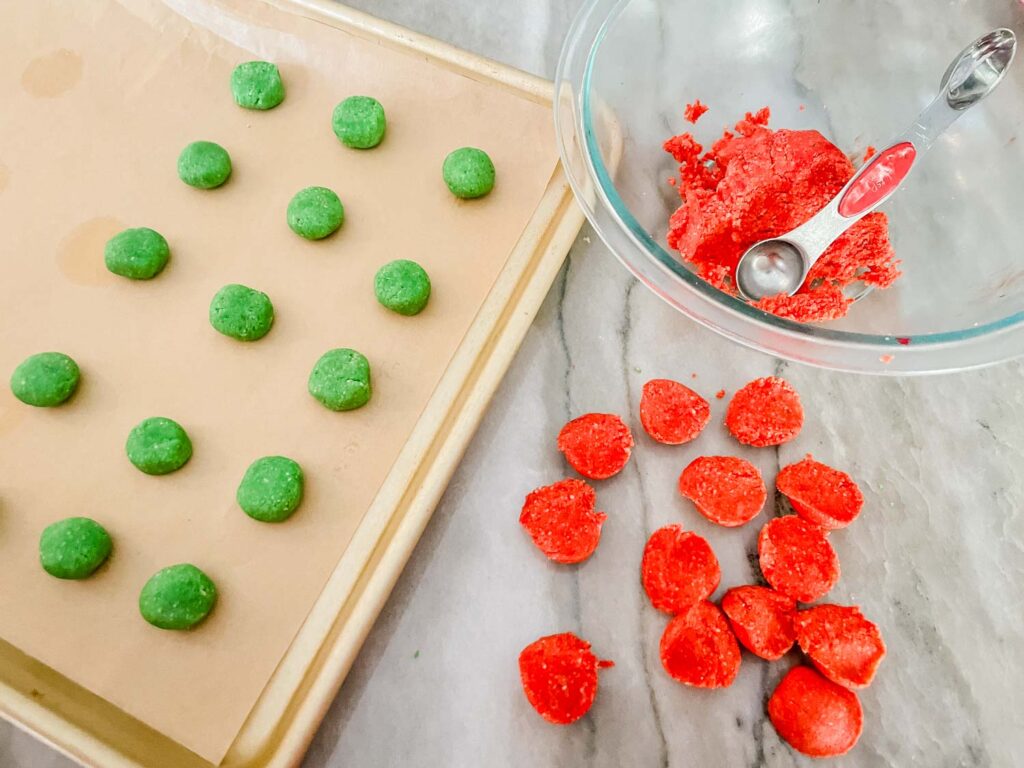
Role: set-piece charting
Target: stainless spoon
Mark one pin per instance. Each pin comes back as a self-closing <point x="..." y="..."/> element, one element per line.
<point x="781" y="264"/>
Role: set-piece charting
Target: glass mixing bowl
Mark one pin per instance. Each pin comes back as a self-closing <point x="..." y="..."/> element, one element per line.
<point x="859" y="71"/>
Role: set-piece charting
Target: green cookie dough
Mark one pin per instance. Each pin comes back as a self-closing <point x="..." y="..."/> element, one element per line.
<point x="359" y="122"/>
<point x="271" y="489"/>
<point x="468" y="172"/>
<point x="158" y="446"/>
<point x="315" y="212"/>
<point x="241" y="313"/>
<point x="402" y="286"/>
<point x="340" y="380"/>
<point x="139" y="253"/>
<point x="257" y="85"/>
<point x="177" y="597"/>
<point x="73" y="548"/>
<point x="45" y="379"/>
<point x="204" y="164"/>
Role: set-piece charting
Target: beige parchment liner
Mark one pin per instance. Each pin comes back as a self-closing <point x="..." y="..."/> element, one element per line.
<point x="98" y="99"/>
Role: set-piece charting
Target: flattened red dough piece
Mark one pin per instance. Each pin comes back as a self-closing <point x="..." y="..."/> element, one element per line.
<point x="765" y="412"/>
<point x="844" y="646"/>
<point x="726" y="490"/>
<point x="561" y="520"/>
<point x="679" y="569"/>
<point x="761" y="619"/>
<point x="797" y="559"/>
<point x="814" y="715"/>
<point x="559" y="674"/>
<point x="597" y="445"/>
<point x="672" y="413"/>
<point x="698" y="648"/>
<point x="820" y="494"/>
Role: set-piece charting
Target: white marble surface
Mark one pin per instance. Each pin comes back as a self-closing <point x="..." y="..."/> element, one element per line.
<point x="937" y="558"/>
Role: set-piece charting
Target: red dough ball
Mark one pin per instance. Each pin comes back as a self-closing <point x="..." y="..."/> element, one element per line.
<point x="559" y="674"/>
<point x="672" y="413"/>
<point x="597" y="445"/>
<point x="844" y="646"/>
<point x="797" y="559"/>
<point x="765" y="412"/>
<point x="561" y="520"/>
<point x="820" y="494"/>
<point x="698" y="648"/>
<point x="762" y="620"/>
<point x="726" y="490"/>
<point x="814" y="715"/>
<point x="678" y="569"/>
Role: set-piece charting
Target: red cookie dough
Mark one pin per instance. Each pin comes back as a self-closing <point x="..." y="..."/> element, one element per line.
<point x="797" y="559"/>
<point x="820" y="494"/>
<point x="765" y="412"/>
<point x="698" y="648"/>
<point x="814" y="715"/>
<point x="678" y="569"/>
<point x="758" y="183"/>
<point x="561" y="520"/>
<point x="597" y="445"/>
<point x="559" y="674"/>
<point x="761" y="619"/>
<point x="726" y="490"/>
<point x="694" y="111"/>
<point x="844" y="646"/>
<point x="672" y="413"/>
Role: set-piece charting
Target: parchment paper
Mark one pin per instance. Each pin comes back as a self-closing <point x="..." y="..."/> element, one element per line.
<point x="98" y="99"/>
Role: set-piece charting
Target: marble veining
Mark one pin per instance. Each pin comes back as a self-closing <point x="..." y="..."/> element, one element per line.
<point x="936" y="559"/>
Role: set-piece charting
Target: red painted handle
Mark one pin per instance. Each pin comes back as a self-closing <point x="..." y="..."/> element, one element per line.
<point x="879" y="180"/>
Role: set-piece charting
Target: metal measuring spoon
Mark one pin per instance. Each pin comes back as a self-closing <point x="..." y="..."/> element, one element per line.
<point x="781" y="264"/>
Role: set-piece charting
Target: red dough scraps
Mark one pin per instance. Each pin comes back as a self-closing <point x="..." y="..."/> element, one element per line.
<point x="797" y="559"/>
<point x="726" y="490"/>
<point x="698" y="648"/>
<point x="694" y="111"/>
<point x="762" y="620"/>
<point x="672" y="413"/>
<point x="597" y="445"/>
<point x="559" y="674"/>
<point x="765" y="412"/>
<point x="814" y="715"/>
<point x="820" y="494"/>
<point x="844" y="646"/>
<point x="561" y="520"/>
<point x="757" y="183"/>
<point x="678" y="569"/>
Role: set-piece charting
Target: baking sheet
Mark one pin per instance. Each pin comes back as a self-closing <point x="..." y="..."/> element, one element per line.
<point x="99" y="98"/>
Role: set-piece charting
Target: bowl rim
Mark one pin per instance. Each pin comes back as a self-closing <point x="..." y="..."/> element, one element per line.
<point x="576" y="116"/>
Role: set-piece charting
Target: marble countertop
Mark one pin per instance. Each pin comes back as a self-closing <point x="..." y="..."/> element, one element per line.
<point x="937" y="558"/>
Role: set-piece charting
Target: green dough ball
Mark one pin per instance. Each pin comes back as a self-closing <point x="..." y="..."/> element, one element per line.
<point x="315" y="212"/>
<point x="257" y="85"/>
<point x="359" y="122"/>
<point x="73" y="548"/>
<point x="45" y="380"/>
<point x="468" y="172"/>
<point x="341" y="380"/>
<point x="271" y="489"/>
<point x="158" y="446"/>
<point x="177" y="597"/>
<point x="139" y="253"/>
<point x="204" y="164"/>
<point x="402" y="286"/>
<point x="241" y="313"/>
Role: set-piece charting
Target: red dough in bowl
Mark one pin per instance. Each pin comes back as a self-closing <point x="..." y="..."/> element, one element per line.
<point x="820" y="494"/>
<point x="559" y="676"/>
<point x="672" y="413"/>
<point x="597" y="445"/>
